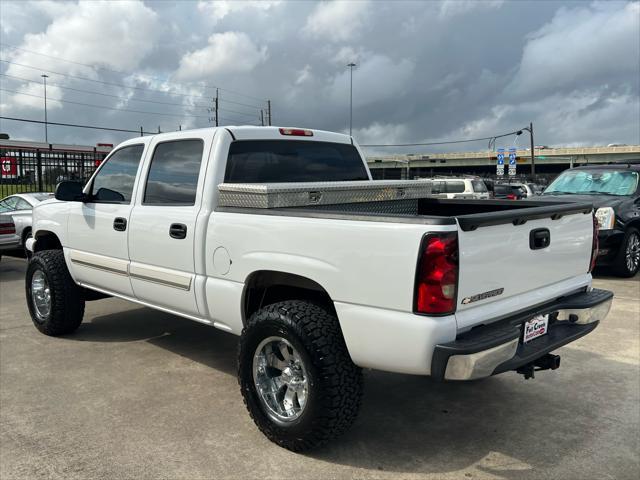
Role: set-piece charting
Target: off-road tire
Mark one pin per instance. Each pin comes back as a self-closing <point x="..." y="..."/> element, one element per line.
<point x="67" y="303"/>
<point x="335" y="382"/>
<point x="620" y="267"/>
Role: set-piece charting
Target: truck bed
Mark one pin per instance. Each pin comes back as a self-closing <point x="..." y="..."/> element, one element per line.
<point x="385" y="201"/>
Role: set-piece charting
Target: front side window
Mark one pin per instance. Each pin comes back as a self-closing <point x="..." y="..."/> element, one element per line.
<point x="173" y="175"/>
<point x="23" y="205"/>
<point x="114" y="181"/>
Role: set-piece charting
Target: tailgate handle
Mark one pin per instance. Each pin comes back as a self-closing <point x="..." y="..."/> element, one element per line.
<point x="539" y="238"/>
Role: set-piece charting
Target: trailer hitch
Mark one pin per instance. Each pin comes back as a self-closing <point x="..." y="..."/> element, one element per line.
<point x="546" y="362"/>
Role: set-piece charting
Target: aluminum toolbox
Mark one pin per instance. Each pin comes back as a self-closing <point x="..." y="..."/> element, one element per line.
<point x="288" y="195"/>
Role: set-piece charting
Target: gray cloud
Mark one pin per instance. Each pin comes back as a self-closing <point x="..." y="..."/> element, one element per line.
<point x="427" y="70"/>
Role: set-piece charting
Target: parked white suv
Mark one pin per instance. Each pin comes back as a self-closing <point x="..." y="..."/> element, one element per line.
<point x="459" y="188"/>
<point x="280" y="236"/>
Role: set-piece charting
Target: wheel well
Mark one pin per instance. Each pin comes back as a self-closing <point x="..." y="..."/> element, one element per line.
<point x="25" y="232"/>
<point x="47" y="241"/>
<point x="267" y="286"/>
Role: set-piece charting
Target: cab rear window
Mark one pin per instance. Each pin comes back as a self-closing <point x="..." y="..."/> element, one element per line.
<point x="275" y="161"/>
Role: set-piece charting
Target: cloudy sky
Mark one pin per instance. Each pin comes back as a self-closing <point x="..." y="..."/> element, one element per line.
<point x="427" y="71"/>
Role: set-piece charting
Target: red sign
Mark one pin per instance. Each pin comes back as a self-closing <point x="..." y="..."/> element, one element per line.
<point x="8" y="167"/>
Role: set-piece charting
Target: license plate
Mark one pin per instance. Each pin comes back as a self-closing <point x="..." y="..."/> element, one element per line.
<point x="536" y="327"/>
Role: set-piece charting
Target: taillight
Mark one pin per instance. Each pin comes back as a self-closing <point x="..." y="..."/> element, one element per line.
<point x="296" y="132"/>
<point x="594" y="244"/>
<point x="7" y="228"/>
<point x="511" y="196"/>
<point x="437" y="275"/>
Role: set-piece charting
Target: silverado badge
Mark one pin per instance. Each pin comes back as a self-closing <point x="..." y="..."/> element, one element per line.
<point x="482" y="296"/>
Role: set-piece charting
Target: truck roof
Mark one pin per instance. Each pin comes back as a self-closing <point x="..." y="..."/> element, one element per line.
<point x="247" y="132"/>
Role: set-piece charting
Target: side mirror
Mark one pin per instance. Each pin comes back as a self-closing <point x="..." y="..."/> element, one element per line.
<point x="69" y="191"/>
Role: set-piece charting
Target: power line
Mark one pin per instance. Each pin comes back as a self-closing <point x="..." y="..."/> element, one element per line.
<point x="93" y="127"/>
<point x="120" y="85"/>
<point x="95" y="67"/>
<point x="105" y="107"/>
<point x="440" y="143"/>
<point x="127" y="98"/>
<point x="93" y="92"/>
<point x="76" y="126"/>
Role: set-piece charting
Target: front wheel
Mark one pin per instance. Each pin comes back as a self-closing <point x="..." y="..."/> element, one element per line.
<point x="296" y="376"/>
<point x="55" y="302"/>
<point x="627" y="262"/>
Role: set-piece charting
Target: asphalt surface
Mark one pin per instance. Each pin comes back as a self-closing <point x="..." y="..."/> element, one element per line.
<point x="136" y="393"/>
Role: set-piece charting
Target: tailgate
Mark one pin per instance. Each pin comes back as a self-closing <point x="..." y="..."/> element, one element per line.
<point x="498" y="265"/>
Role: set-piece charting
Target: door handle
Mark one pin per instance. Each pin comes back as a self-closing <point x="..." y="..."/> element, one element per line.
<point x="178" y="230"/>
<point x="120" y="224"/>
<point x="539" y="238"/>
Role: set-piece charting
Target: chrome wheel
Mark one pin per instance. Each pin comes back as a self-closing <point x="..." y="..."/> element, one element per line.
<point x="280" y="379"/>
<point x="40" y="295"/>
<point x="632" y="253"/>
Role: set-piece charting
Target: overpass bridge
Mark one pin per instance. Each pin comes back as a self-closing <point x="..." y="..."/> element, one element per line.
<point x="548" y="161"/>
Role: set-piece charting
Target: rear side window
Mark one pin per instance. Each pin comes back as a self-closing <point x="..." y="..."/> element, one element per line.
<point x="478" y="186"/>
<point x="173" y="175"/>
<point x="455" y="187"/>
<point x="114" y="181"/>
<point x="273" y="161"/>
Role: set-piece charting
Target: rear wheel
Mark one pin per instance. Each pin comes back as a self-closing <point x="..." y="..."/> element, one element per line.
<point x="627" y="262"/>
<point x="297" y="379"/>
<point x="55" y="302"/>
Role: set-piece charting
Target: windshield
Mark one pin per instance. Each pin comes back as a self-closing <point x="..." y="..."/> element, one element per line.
<point x="604" y="182"/>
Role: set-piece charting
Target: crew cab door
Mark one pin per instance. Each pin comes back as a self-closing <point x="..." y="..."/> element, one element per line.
<point x="163" y="223"/>
<point x="96" y="246"/>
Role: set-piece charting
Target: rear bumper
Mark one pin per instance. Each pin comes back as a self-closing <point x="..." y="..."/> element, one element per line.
<point x="496" y="348"/>
<point x="9" y="242"/>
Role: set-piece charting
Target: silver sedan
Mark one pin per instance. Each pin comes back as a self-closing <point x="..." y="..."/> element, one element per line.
<point x="19" y="207"/>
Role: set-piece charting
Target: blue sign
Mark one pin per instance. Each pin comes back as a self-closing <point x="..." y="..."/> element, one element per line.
<point x="512" y="156"/>
<point x="501" y="156"/>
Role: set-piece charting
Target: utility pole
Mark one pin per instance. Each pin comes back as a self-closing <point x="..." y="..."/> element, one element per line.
<point x="533" y="155"/>
<point x="46" y="135"/>
<point x="262" y="117"/>
<point x="217" y="101"/>
<point x="269" y="111"/>
<point x="351" y="65"/>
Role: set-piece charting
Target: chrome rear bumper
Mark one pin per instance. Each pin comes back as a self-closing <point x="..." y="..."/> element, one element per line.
<point x="496" y="348"/>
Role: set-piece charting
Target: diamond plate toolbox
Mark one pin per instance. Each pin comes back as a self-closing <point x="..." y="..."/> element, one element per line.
<point x="288" y="195"/>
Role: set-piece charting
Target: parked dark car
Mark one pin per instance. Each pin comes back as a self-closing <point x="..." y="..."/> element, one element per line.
<point x="510" y="192"/>
<point x="614" y="190"/>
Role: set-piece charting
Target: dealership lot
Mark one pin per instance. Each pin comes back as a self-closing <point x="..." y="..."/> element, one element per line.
<point x="139" y="393"/>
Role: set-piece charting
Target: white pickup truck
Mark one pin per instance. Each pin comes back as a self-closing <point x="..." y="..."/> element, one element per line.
<point x="280" y="236"/>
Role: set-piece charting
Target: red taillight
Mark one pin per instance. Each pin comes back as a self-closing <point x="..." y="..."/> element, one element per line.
<point x="511" y="196"/>
<point x="437" y="275"/>
<point x="296" y="132"/>
<point x="594" y="244"/>
<point x="7" y="228"/>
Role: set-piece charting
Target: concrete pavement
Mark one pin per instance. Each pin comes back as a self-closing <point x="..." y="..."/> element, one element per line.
<point x="136" y="393"/>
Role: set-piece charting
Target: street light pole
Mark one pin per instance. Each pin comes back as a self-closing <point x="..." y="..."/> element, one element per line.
<point x="351" y="65"/>
<point x="44" y="79"/>
<point x="532" y="153"/>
